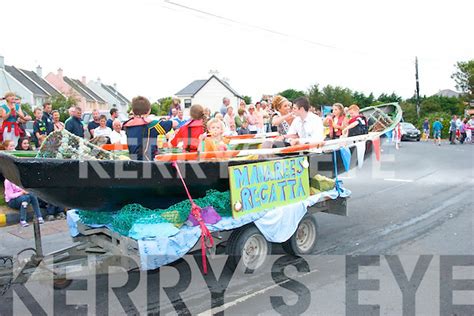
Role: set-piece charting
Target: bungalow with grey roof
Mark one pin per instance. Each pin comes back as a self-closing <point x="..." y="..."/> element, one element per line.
<point x="208" y="93"/>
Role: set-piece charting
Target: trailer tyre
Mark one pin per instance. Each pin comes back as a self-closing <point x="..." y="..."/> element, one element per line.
<point x="247" y="244"/>
<point x="305" y="238"/>
<point x="60" y="284"/>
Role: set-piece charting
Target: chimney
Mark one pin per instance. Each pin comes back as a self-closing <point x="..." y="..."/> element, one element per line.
<point x="98" y="81"/>
<point x="39" y="71"/>
<point x="2" y="62"/>
<point x="115" y="86"/>
<point x="60" y="73"/>
<point x="83" y="80"/>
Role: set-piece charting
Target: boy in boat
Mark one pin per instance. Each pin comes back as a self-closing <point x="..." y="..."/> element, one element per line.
<point x="357" y="125"/>
<point x="187" y="136"/>
<point x="216" y="140"/>
<point x="142" y="132"/>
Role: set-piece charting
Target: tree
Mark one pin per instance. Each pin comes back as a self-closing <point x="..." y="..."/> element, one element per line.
<point x="385" y="98"/>
<point x="464" y="77"/>
<point x="62" y="104"/>
<point x="363" y="101"/>
<point x="247" y="99"/>
<point x="292" y="94"/>
<point x="329" y="95"/>
<point x="162" y="107"/>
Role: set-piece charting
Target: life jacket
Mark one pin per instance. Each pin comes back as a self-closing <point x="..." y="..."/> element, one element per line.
<point x="361" y="128"/>
<point x="189" y="134"/>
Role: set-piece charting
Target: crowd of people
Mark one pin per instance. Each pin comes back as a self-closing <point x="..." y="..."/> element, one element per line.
<point x="296" y="122"/>
<point x="460" y="130"/>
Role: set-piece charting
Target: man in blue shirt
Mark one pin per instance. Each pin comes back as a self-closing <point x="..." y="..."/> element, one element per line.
<point x="437" y="127"/>
<point x="180" y="119"/>
<point x="113" y="115"/>
<point x="74" y="125"/>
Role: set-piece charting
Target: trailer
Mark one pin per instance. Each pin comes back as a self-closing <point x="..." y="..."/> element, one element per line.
<point x="245" y="244"/>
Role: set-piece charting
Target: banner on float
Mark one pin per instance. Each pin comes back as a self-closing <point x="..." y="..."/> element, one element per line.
<point x="259" y="186"/>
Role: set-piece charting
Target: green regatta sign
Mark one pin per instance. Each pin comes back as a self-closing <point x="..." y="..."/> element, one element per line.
<point x="265" y="185"/>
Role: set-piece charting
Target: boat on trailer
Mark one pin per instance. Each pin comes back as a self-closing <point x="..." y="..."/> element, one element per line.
<point x="108" y="185"/>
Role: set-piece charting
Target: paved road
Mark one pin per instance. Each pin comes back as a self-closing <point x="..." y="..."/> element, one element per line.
<point x="418" y="201"/>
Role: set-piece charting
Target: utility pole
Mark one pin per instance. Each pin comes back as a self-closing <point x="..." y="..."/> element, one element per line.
<point x="417" y="89"/>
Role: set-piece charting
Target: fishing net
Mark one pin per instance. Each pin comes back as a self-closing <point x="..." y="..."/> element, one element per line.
<point x="65" y="145"/>
<point x="123" y="220"/>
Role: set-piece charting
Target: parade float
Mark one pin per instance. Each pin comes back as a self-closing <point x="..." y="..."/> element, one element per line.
<point x="157" y="211"/>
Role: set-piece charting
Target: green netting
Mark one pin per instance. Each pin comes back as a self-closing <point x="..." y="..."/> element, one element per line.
<point x="123" y="220"/>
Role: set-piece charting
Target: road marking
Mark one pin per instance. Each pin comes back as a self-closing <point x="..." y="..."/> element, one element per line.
<point x="398" y="180"/>
<point x="3" y="220"/>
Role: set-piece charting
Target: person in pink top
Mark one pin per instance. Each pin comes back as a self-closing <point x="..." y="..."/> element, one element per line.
<point x="16" y="198"/>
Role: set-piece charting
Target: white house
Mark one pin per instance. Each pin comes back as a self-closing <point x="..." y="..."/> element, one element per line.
<point x="208" y="93"/>
<point x="29" y="85"/>
<point x="110" y="94"/>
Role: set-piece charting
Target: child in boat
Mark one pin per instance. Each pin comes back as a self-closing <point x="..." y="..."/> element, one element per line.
<point x="357" y="125"/>
<point x="142" y="132"/>
<point x="216" y="140"/>
<point x="187" y="136"/>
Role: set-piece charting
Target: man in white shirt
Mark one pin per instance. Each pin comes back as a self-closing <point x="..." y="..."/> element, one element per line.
<point x="307" y="127"/>
<point x="118" y="136"/>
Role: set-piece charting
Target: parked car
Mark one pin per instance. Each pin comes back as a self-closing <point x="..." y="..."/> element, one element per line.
<point x="410" y="132"/>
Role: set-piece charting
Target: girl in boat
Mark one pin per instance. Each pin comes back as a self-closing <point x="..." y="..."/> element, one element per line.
<point x="142" y="132"/>
<point x="336" y="122"/>
<point x="187" y="136"/>
<point x="10" y="113"/>
<point x="216" y="140"/>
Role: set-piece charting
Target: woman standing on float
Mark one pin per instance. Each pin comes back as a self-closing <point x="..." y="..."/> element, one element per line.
<point x="10" y="112"/>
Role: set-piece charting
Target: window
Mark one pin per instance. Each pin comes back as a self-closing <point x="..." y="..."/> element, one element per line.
<point x="187" y="103"/>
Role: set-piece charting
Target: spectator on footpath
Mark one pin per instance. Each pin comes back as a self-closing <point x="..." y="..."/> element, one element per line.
<point x="54" y="212"/>
<point x="58" y="125"/>
<point x="8" y="145"/>
<point x="462" y="130"/>
<point x="92" y="125"/>
<point x="244" y="128"/>
<point x="252" y="119"/>
<point x="239" y="118"/>
<point x="102" y="129"/>
<point x="452" y="130"/>
<point x="23" y="144"/>
<point x="176" y="104"/>
<point x="426" y="129"/>
<point x="113" y="115"/>
<point x="180" y="119"/>
<point x="74" y="125"/>
<point x="18" y="198"/>
<point x="229" y="117"/>
<point x="40" y="130"/>
<point x="225" y="104"/>
<point x="469" y="127"/>
<point x="10" y="112"/>
<point x="437" y="128"/>
<point x="47" y="117"/>
<point x="118" y="136"/>
<point x="70" y="112"/>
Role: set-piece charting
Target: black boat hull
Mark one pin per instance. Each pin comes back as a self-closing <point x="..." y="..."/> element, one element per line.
<point x="109" y="185"/>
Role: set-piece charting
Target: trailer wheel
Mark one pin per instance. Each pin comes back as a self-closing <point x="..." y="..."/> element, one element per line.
<point x="305" y="238"/>
<point x="247" y="244"/>
<point x="60" y="284"/>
